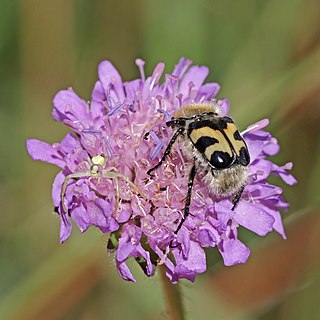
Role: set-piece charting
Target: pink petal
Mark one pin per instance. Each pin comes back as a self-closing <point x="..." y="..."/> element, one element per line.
<point x="272" y="148"/>
<point x="224" y="106"/>
<point x="261" y="168"/>
<point x="128" y="242"/>
<point x="207" y="92"/>
<point x="108" y="74"/>
<point x="80" y="217"/>
<point x="157" y="72"/>
<point x="56" y="188"/>
<point x="257" y="126"/>
<point x="184" y="238"/>
<point x="195" y="75"/>
<point x="150" y="269"/>
<point x="283" y="174"/>
<point x="98" y="92"/>
<point x="45" y="152"/>
<point x="195" y="262"/>
<point x="132" y="87"/>
<point x="68" y="106"/>
<point x="255" y="148"/>
<point x="278" y="225"/>
<point x="233" y="252"/>
<point x="181" y="67"/>
<point x="97" y="105"/>
<point x="125" y="248"/>
<point x="123" y="216"/>
<point x="69" y="143"/>
<point x="254" y="218"/>
<point x="65" y="227"/>
<point x="124" y="272"/>
<point x="207" y="238"/>
<point x="100" y="215"/>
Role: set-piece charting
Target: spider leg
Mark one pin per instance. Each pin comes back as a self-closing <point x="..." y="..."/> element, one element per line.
<point x="168" y="149"/>
<point x="65" y="183"/>
<point x="116" y="184"/>
<point x="114" y="175"/>
<point x="236" y="198"/>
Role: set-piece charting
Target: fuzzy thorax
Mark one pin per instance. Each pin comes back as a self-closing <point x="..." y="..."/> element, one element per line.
<point x="196" y="109"/>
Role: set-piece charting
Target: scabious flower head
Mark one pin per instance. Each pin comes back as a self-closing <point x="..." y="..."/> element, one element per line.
<point x="117" y="137"/>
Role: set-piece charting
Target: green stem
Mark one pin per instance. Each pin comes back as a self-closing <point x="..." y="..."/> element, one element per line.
<point x="172" y="295"/>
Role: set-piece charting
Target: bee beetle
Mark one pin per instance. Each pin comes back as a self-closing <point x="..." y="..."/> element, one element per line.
<point x="215" y="146"/>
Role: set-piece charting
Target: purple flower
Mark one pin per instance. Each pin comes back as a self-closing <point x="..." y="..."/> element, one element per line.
<point x="117" y="138"/>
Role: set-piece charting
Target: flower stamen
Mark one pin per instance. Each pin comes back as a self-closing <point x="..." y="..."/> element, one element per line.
<point x="158" y="147"/>
<point x="116" y="109"/>
<point x="140" y="64"/>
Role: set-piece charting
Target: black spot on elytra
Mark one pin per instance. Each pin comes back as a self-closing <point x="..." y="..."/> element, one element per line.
<point x="244" y="157"/>
<point x="237" y="136"/>
<point x="205" y="142"/>
<point x="221" y="160"/>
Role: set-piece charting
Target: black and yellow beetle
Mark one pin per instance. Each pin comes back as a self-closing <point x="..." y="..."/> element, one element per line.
<point x="216" y="148"/>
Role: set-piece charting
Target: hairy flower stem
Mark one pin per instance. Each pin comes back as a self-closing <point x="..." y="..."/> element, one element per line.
<point x="172" y="295"/>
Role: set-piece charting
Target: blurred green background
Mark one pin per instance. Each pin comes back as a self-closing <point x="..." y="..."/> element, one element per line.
<point x="265" y="55"/>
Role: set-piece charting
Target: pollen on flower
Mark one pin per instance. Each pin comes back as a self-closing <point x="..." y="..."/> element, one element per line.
<point x="123" y="133"/>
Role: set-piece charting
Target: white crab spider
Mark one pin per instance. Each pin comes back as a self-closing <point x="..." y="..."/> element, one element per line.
<point x="94" y="171"/>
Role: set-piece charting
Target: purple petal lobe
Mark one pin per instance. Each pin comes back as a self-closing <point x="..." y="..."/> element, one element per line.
<point x="195" y="262"/>
<point x="146" y="255"/>
<point x="257" y="126"/>
<point x="45" y="152"/>
<point x="288" y="178"/>
<point x="65" y="227"/>
<point x="278" y="225"/>
<point x="124" y="272"/>
<point x="80" y="217"/>
<point x="206" y="238"/>
<point x="109" y="75"/>
<point x="68" y="106"/>
<point x="283" y="174"/>
<point x="100" y="215"/>
<point x="123" y="216"/>
<point x="128" y="242"/>
<point x="254" y="218"/>
<point x="224" y="105"/>
<point x="98" y="92"/>
<point x="271" y="148"/>
<point x="132" y="87"/>
<point x="56" y="188"/>
<point x="157" y="72"/>
<point x="207" y="92"/>
<point x="233" y="252"/>
<point x="255" y="148"/>
<point x="181" y="67"/>
<point x="69" y="143"/>
<point x="184" y="239"/>
<point x="196" y="75"/>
